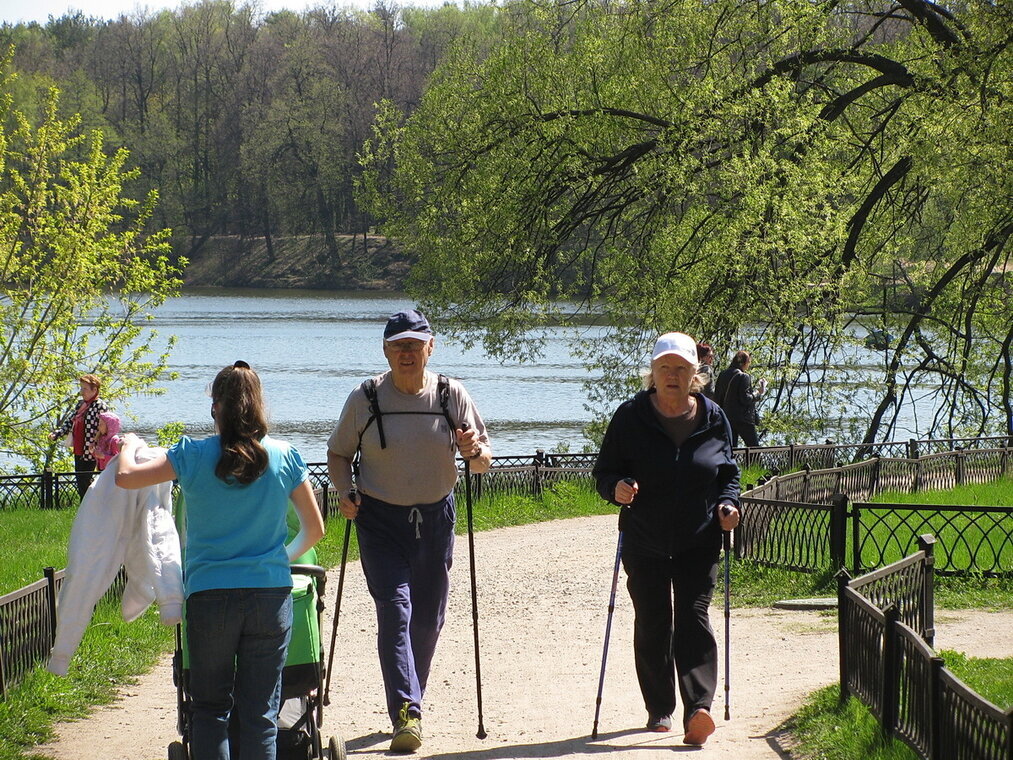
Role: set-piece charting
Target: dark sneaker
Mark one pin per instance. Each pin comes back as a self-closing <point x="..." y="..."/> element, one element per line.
<point x="659" y="723"/>
<point x="699" y="726"/>
<point x="407" y="732"/>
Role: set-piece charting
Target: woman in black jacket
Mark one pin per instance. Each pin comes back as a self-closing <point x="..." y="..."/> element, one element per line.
<point x="667" y="460"/>
<point x="735" y="393"/>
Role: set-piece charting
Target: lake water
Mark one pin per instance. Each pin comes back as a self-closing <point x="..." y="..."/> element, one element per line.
<point x="312" y="348"/>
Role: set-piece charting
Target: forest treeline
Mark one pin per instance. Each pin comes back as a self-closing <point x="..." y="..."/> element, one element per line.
<point x="247" y="124"/>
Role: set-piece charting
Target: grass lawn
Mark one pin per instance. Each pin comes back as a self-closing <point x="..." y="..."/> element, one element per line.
<point x="111" y="655"/>
<point x="31" y="540"/>
<point x="825" y="730"/>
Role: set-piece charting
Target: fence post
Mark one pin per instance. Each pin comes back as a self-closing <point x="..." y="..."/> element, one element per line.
<point x="838" y="530"/>
<point x="936" y="665"/>
<point x="50" y="575"/>
<point x="856" y="546"/>
<point x="325" y="502"/>
<point x="1009" y="732"/>
<point x="960" y="467"/>
<point x="3" y="673"/>
<point x="843" y="579"/>
<point x="927" y="544"/>
<point x="874" y="477"/>
<point x="891" y="671"/>
<point x="791" y="457"/>
<point x="47" y="489"/>
<point x="805" y="483"/>
<point x="912" y="448"/>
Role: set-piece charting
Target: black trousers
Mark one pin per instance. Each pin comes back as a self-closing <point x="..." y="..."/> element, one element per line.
<point x="672" y="635"/>
<point x="746" y="431"/>
<point x="85" y="469"/>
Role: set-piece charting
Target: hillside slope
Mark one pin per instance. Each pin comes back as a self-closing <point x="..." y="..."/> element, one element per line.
<point x="298" y="261"/>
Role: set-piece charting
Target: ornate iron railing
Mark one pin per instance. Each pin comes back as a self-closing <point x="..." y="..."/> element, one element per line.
<point x="28" y="624"/>
<point x="887" y="661"/>
<point x="972" y="539"/>
<point x="787" y="534"/>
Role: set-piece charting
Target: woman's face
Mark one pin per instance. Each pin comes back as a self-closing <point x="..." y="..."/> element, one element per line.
<point x="88" y="391"/>
<point x="672" y="377"/>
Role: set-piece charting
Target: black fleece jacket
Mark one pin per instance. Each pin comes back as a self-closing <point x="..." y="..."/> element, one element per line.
<point x="679" y="486"/>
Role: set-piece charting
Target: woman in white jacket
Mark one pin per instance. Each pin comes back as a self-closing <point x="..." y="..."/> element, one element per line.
<point x="237" y="485"/>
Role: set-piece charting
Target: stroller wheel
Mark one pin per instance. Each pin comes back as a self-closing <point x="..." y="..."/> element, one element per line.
<point x="336" y="749"/>
<point x="177" y="751"/>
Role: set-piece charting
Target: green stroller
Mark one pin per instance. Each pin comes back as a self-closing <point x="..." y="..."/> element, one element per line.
<point x="301" y="713"/>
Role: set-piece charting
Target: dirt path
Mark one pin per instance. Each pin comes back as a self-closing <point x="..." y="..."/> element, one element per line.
<point x="543" y="599"/>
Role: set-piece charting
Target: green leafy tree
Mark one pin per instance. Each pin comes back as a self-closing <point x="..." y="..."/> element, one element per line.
<point x="780" y="176"/>
<point x="80" y="275"/>
<point x="294" y="131"/>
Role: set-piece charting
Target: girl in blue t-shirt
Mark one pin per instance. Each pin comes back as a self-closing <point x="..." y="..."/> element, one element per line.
<point x="237" y="485"/>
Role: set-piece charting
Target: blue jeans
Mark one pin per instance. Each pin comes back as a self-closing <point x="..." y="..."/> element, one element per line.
<point x="238" y="639"/>
<point x="406" y="554"/>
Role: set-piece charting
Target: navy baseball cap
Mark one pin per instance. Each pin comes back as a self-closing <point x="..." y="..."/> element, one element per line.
<point x="407" y="324"/>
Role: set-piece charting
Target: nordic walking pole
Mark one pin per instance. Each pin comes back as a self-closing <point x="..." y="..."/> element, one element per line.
<point x="608" y="623"/>
<point x="481" y="734"/>
<point x="353" y="495"/>
<point x="726" y="540"/>
<point x="608" y="630"/>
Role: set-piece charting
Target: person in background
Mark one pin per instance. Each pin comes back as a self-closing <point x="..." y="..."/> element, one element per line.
<point x="399" y="433"/>
<point x="237" y="485"/>
<point x="107" y="441"/>
<point x="735" y="393"/>
<point x="705" y="355"/>
<point x="666" y="460"/>
<point x="82" y="423"/>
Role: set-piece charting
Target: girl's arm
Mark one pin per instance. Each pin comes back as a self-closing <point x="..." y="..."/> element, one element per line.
<point x="311" y="523"/>
<point x="133" y="474"/>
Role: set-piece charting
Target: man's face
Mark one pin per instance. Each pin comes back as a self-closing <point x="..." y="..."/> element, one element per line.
<point x="408" y="357"/>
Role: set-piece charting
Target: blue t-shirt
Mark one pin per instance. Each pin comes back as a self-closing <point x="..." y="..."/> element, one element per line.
<point x="235" y="534"/>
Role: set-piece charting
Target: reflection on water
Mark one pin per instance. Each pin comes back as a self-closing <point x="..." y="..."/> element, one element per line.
<point x="312" y="348"/>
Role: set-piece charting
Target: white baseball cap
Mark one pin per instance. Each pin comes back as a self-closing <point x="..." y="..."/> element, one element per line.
<point x="676" y="343"/>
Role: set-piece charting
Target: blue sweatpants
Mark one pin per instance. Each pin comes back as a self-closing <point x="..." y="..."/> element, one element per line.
<point x="406" y="554"/>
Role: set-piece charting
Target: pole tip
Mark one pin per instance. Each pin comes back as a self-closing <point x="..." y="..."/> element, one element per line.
<point x="481" y="733"/>
<point x="728" y="715"/>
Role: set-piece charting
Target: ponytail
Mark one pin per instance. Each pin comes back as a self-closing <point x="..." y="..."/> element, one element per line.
<point x="242" y="423"/>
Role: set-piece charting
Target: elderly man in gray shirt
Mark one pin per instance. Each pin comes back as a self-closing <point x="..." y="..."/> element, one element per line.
<point x="399" y="435"/>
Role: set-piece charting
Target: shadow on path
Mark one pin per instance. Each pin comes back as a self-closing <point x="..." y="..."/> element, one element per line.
<point x="582" y="745"/>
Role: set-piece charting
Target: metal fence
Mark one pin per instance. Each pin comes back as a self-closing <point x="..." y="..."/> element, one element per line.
<point x="529" y="474"/>
<point x="513" y="475"/>
<point x="803" y="521"/>
<point x="885" y="625"/>
<point x="28" y="624"/>
<point x="44" y="490"/>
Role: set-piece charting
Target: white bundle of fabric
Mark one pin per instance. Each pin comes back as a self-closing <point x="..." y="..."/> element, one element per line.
<point x="113" y="527"/>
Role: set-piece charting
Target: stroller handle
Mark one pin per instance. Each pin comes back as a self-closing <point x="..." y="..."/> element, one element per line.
<point x="314" y="571"/>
